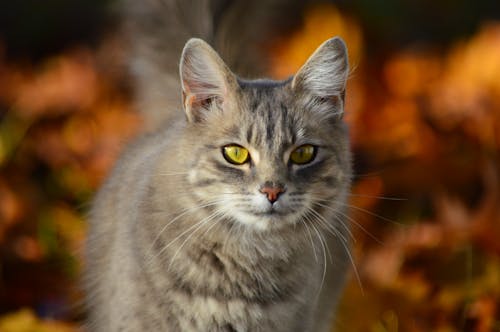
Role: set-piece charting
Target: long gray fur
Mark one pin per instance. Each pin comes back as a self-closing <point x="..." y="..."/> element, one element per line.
<point x="182" y="240"/>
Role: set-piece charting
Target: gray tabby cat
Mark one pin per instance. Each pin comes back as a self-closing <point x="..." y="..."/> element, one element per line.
<point x="231" y="215"/>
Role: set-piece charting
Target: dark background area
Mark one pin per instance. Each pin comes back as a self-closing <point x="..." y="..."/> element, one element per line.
<point x="33" y="29"/>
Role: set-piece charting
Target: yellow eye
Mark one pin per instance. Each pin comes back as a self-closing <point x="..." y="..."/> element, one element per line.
<point x="235" y="154"/>
<point x="303" y="154"/>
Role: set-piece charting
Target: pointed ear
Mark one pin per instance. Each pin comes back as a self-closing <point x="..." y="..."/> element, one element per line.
<point x="205" y="78"/>
<point x="324" y="75"/>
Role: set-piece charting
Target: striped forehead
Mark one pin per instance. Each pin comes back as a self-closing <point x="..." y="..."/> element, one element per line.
<point x="269" y="123"/>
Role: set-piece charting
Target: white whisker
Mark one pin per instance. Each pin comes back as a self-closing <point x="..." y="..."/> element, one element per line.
<point x="330" y="227"/>
<point x="344" y="243"/>
<point x="356" y="273"/>
<point x="173" y="174"/>
<point x="379" y="197"/>
<point x="323" y="244"/>
<point x="373" y="214"/>
<point x="376" y="239"/>
<point x="229" y="234"/>
<point x="183" y="213"/>
<point x="341" y="222"/>
<point x="200" y="225"/>
<point x="195" y="225"/>
<point x="310" y="236"/>
<point x="358" y="208"/>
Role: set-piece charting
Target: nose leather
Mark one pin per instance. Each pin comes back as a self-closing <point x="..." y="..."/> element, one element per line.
<point x="272" y="191"/>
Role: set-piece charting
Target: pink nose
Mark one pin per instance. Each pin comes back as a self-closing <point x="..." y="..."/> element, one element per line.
<point x="272" y="192"/>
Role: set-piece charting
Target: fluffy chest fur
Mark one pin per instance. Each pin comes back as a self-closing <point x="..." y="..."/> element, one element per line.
<point x="213" y="283"/>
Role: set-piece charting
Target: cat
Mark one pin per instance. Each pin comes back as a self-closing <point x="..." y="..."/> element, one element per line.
<point x="230" y="215"/>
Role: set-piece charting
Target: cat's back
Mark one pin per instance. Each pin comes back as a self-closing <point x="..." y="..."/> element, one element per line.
<point x="121" y="192"/>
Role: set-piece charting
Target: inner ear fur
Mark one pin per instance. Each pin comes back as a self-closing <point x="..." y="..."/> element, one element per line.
<point x="324" y="75"/>
<point x="206" y="80"/>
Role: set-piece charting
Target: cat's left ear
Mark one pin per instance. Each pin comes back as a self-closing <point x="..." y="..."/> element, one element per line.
<point x="324" y="75"/>
<point x="206" y="80"/>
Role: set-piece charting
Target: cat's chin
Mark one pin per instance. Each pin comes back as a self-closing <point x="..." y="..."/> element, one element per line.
<point x="264" y="221"/>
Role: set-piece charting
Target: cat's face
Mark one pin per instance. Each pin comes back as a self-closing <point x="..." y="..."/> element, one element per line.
<point x="267" y="154"/>
<point x="268" y="160"/>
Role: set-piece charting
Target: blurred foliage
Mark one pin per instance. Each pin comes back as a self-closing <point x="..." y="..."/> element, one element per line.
<point x="25" y="321"/>
<point x="425" y="206"/>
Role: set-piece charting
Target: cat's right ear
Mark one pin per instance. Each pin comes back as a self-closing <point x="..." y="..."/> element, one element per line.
<point x="205" y="78"/>
<point x="324" y="75"/>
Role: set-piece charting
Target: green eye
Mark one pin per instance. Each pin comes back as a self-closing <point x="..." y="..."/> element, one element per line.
<point x="235" y="154"/>
<point x="303" y="154"/>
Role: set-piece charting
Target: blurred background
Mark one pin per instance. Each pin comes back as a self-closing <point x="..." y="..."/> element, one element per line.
<point x="423" y="105"/>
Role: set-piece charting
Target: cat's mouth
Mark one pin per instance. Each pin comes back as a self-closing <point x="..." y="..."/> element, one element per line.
<point x="270" y="212"/>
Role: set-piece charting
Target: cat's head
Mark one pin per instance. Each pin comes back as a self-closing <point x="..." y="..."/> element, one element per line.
<point x="266" y="153"/>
